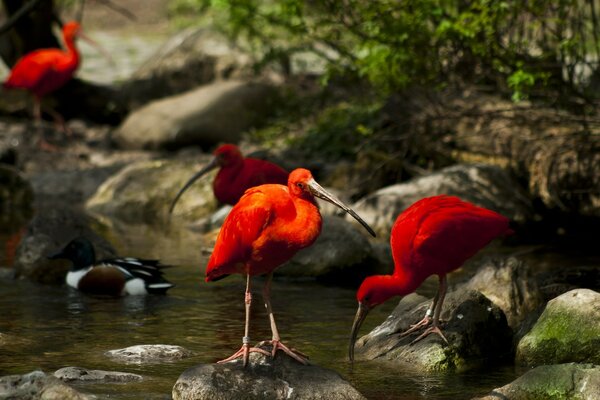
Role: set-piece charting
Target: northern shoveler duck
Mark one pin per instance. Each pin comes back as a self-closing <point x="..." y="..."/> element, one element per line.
<point x="114" y="276"/>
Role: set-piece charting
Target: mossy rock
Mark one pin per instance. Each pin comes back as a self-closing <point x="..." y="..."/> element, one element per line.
<point x="567" y="331"/>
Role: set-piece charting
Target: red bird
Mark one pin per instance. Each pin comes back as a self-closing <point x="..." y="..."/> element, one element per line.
<point x="434" y="236"/>
<point x="236" y="174"/>
<point x="46" y="70"/>
<point x="264" y="229"/>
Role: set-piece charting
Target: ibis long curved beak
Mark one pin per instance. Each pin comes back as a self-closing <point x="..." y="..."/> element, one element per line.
<point x="208" y="167"/>
<point x="361" y="314"/>
<point x="318" y="191"/>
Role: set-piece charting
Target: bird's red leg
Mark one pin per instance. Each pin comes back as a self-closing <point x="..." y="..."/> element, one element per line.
<point x="435" y="327"/>
<point x="37" y="116"/>
<point x="426" y="319"/>
<point x="59" y="121"/>
<point x="245" y="350"/>
<point x="276" y="340"/>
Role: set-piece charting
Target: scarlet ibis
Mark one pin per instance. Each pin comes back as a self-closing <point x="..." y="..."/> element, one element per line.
<point x="236" y="174"/>
<point x="264" y="229"/>
<point x="113" y="276"/>
<point x="434" y="236"/>
<point x="45" y="70"/>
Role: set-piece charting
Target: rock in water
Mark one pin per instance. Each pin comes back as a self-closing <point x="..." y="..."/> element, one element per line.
<point x="264" y="379"/>
<point x="476" y="329"/>
<point x="567" y="331"/>
<point x="553" y="382"/>
<point x="37" y="385"/>
<point x="149" y="353"/>
<point x="68" y="374"/>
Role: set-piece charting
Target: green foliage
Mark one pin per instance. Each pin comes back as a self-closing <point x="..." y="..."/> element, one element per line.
<point x="518" y="45"/>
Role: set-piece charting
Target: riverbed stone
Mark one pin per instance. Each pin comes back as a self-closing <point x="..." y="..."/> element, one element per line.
<point x="16" y="197"/>
<point x="341" y="254"/>
<point x="488" y="186"/>
<point x="567" y="331"/>
<point x="149" y="353"/>
<point x="264" y="378"/>
<point x="143" y="192"/>
<point x="476" y="329"/>
<point x="552" y="382"/>
<point x="214" y="113"/>
<point x="509" y="284"/>
<point x="48" y="232"/>
<point x="68" y="374"/>
<point x="38" y="385"/>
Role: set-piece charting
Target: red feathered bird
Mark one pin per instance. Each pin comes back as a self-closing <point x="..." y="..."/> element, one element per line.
<point x="236" y="175"/>
<point x="46" y="70"/>
<point x="264" y="229"/>
<point x="434" y="236"/>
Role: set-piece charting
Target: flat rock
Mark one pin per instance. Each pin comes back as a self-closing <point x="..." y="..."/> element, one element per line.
<point x="476" y="330"/>
<point x="510" y="285"/>
<point x="37" y="385"/>
<point x="143" y="192"/>
<point x="264" y="378"/>
<point x="484" y="185"/>
<point x="149" y="353"/>
<point x="68" y="374"/>
<point x="214" y="113"/>
<point x="340" y="247"/>
<point x="567" y="331"/>
<point x="552" y="382"/>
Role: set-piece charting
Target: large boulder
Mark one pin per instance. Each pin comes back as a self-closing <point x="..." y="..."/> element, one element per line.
<point x="38" y="385"/>
<point x="510" y="285"/>
<point x="476" y="330"/>
<point x="484" y="185"/>
<point x="190" y="58"/>
<point x="567" y="331"/>
<point x="552" y="382"/>
<point x="341" y="254"/>
<point x="264" y="378"/>
<point x="218" y="112"/>
<point x="143" y="191"/>
<point x="49" y="231"/>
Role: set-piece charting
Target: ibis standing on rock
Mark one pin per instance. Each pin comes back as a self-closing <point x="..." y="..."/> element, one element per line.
<point x="236" y="175"/>
<point x="434" y="236"/>
<point x="43" y="71"/>
<point x="264" y="229"/>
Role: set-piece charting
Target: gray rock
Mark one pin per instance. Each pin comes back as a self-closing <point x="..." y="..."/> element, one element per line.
<point x="552" y="382"/>
<point x="484" y="185"/>
<point x="264" y="378"/>
<point x="68" y="374"/>
<point x="567" y="331"/>
<point x="510" y="285"/>
<point x="340" y="247"/>
<point x="476" y="329"/>
<point x="191" y="58"/>
<point x="218" y="112"/>
<point x="149" y="353"/>
<point x="16" y="197"/>
<point x="39" y="386"/>
<point x="49" y="231"/>
<point x="143" y="192"/>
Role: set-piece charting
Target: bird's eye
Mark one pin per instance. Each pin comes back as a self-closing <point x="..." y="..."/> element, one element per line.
<point x="300" y="185"/>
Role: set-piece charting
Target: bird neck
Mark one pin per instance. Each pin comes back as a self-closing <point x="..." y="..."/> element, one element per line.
<point x="72" y="51"/>
<point x="307" y="221"/>
<point x="396" y="285"/>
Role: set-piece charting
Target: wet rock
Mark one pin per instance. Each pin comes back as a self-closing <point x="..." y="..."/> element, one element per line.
<point x="552" y="382"/>
<point x="340" y="247"/>
<point x="510" y="285"/>
<point x="218" y="112"/>
<point x="49" y="231"/>
<point x="143" y="192"/>
<point x="476" y="330"/>
<point x="484" y="185"/>
<point x="191" y="58"/>
<point x="264" y="378"/>
<point x="567" y="331"/>
<point x="557" y="281"/>
<point x="37" y="385"/>
<point x="16" y="197"/>
<point x="68" y="374"/>
<point x="149" y="353"/>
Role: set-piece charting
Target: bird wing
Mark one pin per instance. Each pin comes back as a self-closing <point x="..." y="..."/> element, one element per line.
<point x="446" y="232"/>
<point x="33" y="68"/>
<point x="242" y="227"/>
<point x="262" y="172"/>
<point x="148" y="270"/>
